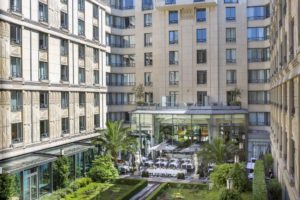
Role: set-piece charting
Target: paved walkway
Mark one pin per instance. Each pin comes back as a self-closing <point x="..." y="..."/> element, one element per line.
<point x="144" y="193"/>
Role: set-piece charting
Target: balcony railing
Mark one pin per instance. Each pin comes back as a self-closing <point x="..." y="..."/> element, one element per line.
<point x="121" y="83"/>
<point x="259" y="81"/>
<point x="121" y="64"/>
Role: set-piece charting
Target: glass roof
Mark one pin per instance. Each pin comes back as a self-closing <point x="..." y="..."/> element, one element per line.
<point x="68" y="149"/>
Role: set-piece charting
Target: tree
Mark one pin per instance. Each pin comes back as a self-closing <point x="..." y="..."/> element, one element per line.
<point x="139" y="92"/>
<point x="103" y="169"/>
<point x="218" y="151"/>
<point x="7" y="186"/>
<point x="235" y="97"/>
<point x="115" y="138"/>
<point x="61" y="171"/>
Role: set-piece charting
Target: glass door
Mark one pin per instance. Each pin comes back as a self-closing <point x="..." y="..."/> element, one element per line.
<point x="30" y="184"/>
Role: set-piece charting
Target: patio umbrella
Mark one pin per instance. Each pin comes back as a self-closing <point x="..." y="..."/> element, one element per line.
<point x="191" y="149"/>
<point x="164" y="146"/>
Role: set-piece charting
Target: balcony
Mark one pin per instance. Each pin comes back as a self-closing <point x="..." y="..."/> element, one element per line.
<point x="171" y="4"/>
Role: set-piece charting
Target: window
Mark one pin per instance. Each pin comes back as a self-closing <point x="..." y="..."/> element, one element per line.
<point x="15" y="34"/>
<point x="201" y="35"/>
<point x="258" y="12"/>
<point x="173" y="58"/>
<point x="81" y="27"/>
<point x="43" y="41"/>
<point x="96" y="99"/>
<point x="43" y="12"/>
<point x="258" y="33"/>
<point x="65" y="125"/>
<point x="96" y="55"/>
<point x="113" y="116"/>
<point x="95" y="11"/>
<point x="64" y="20"/>
<point x="96" y="76"/>
<point x="147" y="20"/>
<point x="81" y="51"/>
<point x="127" y="41"/>
<point x="231" y="1"/>
<point x="16" y="133"/>
<point x="16" y="6"/>
<point x="64" y="73"/>
<point x="147" y="79"/>
<point x="16" y="100"/>
<point x="259" y="119"/>
<point x="15" y="67"/>
<point x="148" y="39"/>
<point x="259" y="76"/>
<point x="230" y="34"/>
<point x="201" y="56"/>
<point x="201" y="98"/>
<point x="43" y="71"/>
<point x="120" y="22"/>
<point x="117" y="60"/>
<point x="232" y="98"/>
<point x="97" y="121"/>
<point x="230" y="13"/>
<point x="173" y="17"/>
<point x="230" y="55"/>
<point x="44" y="99"/>
<point x="95" y="32"/>
<point x="173" y="37"/>
<point x="148" y="97"/>
<point x="64" y="99"/>
<point x="147" y="4"/>
<point x="81" y="123"/>
<point x="44" y="129"/>
<point x="81" y="99"/>
<point x="258" y="97"/>
<point x="122" y="4"/>
<point x="81" y="5"/>
<point x="258" y="54"/>
<point x="172" y="101"/>
<point x="201" y="15"/>
<point x="230" y="76"/>
<point x="64" y="47"/>
<point x="120" y="98"/>
<point x="201" y="77"/>
<point x="173" y="78"/>
<point x="81" y="73"/>
<point x="148" y="59"/>
<point x="64" y="1"/>
<point x="167" y="2"/>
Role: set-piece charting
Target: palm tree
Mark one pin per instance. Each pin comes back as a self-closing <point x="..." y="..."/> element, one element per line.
<point x="218" y="151"/>
<point x="115" y="138"/>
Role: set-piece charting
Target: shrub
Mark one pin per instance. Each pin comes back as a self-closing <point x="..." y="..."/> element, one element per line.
<point x="79" y="183"/>
<point x="259" y="182"/>
<point x="180" y="176"/>
<point x="268" y="161"/>
<point x="103" y="169"/>
<point x="220" y="175"/>
<point x="7" y="186"/>
<point x="230" y="195"/>
<point x="239" y="177"/>
<point x="145" y="174"/>
<point x="274" y="189"/>
<point x="61" y="172"/>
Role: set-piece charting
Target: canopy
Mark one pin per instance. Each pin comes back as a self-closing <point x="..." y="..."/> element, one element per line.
<point x="191" y="149"/>
<point x="164" y="146"/>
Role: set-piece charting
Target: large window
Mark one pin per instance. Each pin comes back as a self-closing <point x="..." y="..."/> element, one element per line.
<point x="64" y="47"/>
<point x="230" y="13"/>
<point x="148" y="59"/>
<point x="44" y="99"/>
<point x="81" y="75"/>
<point x="118" y="79"/>
<point x="230" y="55"/>
<point x="201" y="98"/>
<point x="258" y="54"/>
<point x="44" y="129"/>
<point x="148" y="39"/>
<point x="65" y="125"/>
<point x="82" y="123"/>
<point x="81" y="99"/>
<point x="43" y="12"/>
<point x="96" y="55"/>
<point x="43" y="41"/>
<point x="81" y="30"/>
<point x="230" y="34"/>
<point x="173" y="58"/>
<point x="230" y="76"/>
<point x="15" y="67"/>
<point x="64" y="100"/>
<point x="172" y="100"/>
<point x="16" y="5"/>
<point x="97" y="121"/>
<point x="81" y="51"/>
<point x="147" y="79"/>
<point x="231" y="1"/>
<point x="147" y="20"/>
<point x="122" y="4"/>
<point x="120" y="22"/>
<point x="201" y="77"/>
<point x="148" y="97"/>
<point x="96" y="99"/>
<point x="95" y="32"/>
<point x="64" y="20"/>
<point x="96" y="76"/>
<point x="201" y="56"/>
<point x="259" y="119"/>
<point x="44" y="179"/>
<point x="81" y="5"/>
<point x="64" y="73"/>
<point x="201" y="35"/>
<point x="16" y="133"/>
<point x="120" y="98"/>
<point x="201" y="15"/>
<point x="173" y="17"/>
<point x="147" y="4"/>
<point x="258" y="33"/>
<point x="119" y="60"/>
<point x="173" y="37"/>
<point x="258" y="97"/>
<point x="16" y="100"/>
<point x="258" y="12"/>
<point x="15" y="34"/>
<point x="259" y="76"/>
<point x="118" y="41"/>
<point x="95" y="11"/>
<point x="173" y="78"/>
<point x="43" y="71"/>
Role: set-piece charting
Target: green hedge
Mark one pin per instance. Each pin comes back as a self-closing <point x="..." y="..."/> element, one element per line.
<point x="140" y="184"/>
<point x="259" y="182"/>
<point x="165" y="186"/>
